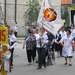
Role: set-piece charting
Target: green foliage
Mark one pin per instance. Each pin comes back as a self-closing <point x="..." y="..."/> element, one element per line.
<point x="32" y="13"/>
<point x="19" y="36"/>
<point x="66" y="17"/>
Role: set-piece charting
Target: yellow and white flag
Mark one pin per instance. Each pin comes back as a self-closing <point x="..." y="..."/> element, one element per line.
<point x="49" y="18"/>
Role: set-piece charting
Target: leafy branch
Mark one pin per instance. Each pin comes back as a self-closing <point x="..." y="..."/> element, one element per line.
<point x="32" y="12"/>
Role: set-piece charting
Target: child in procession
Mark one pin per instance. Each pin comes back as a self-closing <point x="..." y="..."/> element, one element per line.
<point x="6" y="57"/>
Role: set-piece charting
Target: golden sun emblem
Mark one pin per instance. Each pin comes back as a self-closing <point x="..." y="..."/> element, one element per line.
<point x="50" y="15"/>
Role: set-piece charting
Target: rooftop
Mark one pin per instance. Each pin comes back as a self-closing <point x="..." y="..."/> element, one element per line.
<point x="65" y="1"/>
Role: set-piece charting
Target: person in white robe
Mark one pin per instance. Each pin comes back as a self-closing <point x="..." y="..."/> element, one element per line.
<point x="67" y="50"/>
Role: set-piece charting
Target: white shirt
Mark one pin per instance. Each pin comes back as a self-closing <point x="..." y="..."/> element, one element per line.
<point x="13" y="39"/>
<point x="56" y="38"/>
<point x="44" y="38"/>
<point x="6" y="61"/>
<point x="73" y="32"/>
<point x="15" y="29"/>
<point x="62" y="34"/>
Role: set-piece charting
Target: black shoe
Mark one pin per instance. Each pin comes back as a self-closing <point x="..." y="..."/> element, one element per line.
<point x="36" y="61"/>
<point x="39" y="68"/>
<point x="65" y="64"/>
<point x="70" y="64"/>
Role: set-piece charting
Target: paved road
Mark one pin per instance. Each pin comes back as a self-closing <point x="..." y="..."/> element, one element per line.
<point x="21" y="66"/>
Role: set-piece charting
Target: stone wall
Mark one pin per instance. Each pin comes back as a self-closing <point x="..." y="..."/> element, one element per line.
<point x="21" y="8"/>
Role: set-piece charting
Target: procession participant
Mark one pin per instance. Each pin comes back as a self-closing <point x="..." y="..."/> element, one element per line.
<point x="13" y="43"/>
<point x="35" y="34"/>
<point x="41" y="39"/>
<point x="58" y="46"/>
<point x="6" y="57"/>
<point x="36" y="31"/>
<point x="67" y="51"/>
<point x="73" y="31"/>
<point x="63" y="33"/>
<point x="51" y="39"/>
<point x="73" y="34"/>
<point x="30" y="42"/>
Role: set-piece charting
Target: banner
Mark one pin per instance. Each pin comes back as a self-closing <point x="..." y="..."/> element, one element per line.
<point x="48" y="17"/>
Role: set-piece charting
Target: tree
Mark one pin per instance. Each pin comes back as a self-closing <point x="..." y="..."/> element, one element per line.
<point x="32" y="12"/>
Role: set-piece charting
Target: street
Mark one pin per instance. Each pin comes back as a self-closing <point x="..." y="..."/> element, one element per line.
<point x="21" y="66"/>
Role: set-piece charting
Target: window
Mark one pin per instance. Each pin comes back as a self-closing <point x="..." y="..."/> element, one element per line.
<point x="73" y="1"/>
<point x="62" y="10"/>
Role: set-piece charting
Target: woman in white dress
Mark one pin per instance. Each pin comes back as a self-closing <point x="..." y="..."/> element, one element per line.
<point x="67" y="51"/>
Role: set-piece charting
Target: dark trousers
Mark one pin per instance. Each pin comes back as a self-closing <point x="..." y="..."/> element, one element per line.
<point x="12" y="51"/>
<point x="61" y="51"/>
<point x="15" y="33"/>
<point x="41" y="56"/>
<point x="30" y="55"/>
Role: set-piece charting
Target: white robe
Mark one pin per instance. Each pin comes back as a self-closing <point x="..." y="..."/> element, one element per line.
<point x="6" y="61"/>
<point x="67" y="47"/>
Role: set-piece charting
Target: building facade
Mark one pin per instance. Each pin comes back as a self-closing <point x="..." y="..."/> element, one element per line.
<point x="68" y="11"/>
<point x="14" y="10"/>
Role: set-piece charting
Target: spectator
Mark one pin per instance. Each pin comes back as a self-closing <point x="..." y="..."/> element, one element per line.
<point x="27" y="31"/>
<point x="16" y="30"/>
